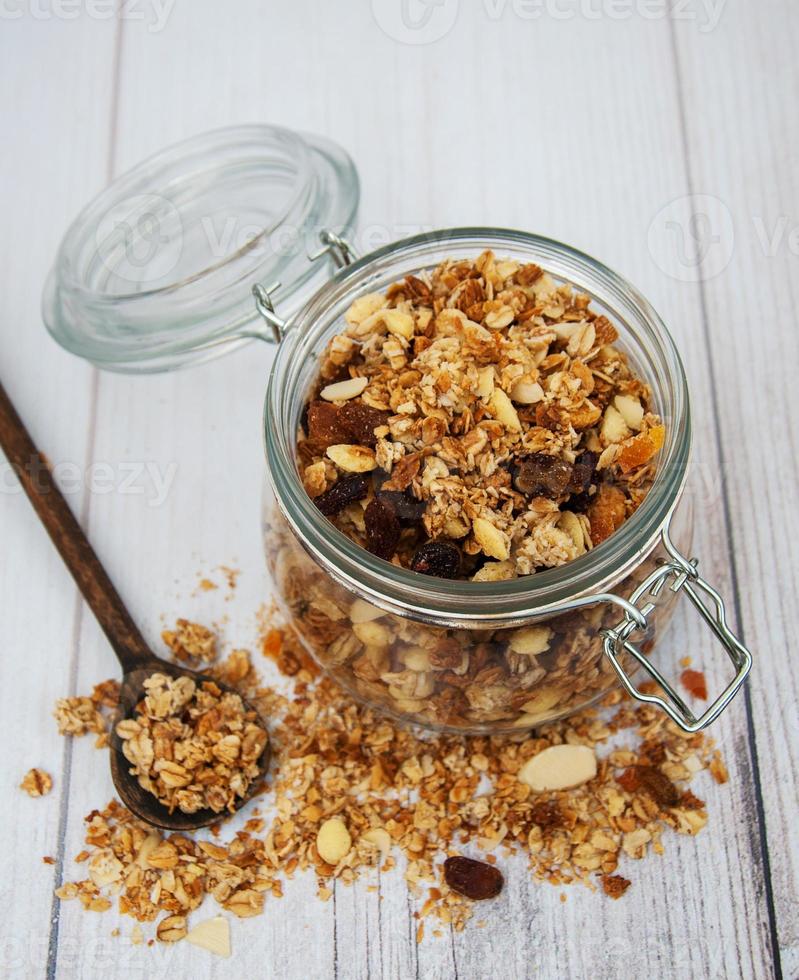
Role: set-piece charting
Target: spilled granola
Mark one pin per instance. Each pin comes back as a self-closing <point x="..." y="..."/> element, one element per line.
<point x="478" y="422"/>
<point x="352" y="791"/>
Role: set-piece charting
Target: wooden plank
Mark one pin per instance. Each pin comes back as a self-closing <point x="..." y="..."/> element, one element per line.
<point x="749" y="314"/>
<point x="45" y="175"/>
<point x="467" y="129"/>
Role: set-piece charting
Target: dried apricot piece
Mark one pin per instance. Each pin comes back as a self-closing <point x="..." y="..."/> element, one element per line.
<point x="606" y="512"/>
<point x="324" y="424"/>
<point x="694" y="682"/>
<point x="641" y="448"/>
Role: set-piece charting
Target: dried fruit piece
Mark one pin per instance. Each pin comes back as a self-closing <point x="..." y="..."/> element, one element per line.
<point x="559" y="767"/>
<point x="439" y="558"/>
<point x="408" y="509"/>
<point x="473" y="879"/>
<point x="352" y="459"/>
<point x="542" y="475"/>
<point x="658" y="785"/>
<point x="344" y="390"/>
<point x="333" y="840"/>
<point x="213" y="935"/>
<point x="583" y="470"/>
<point x="641" y="449"/>
<point x="382" y="529"/>
<point x="606" y="512"/>
<point x="359" y="421"/>
<point x="324" y="424"/>
<point x="343" y="493"/>
<point x="694" y="682"/>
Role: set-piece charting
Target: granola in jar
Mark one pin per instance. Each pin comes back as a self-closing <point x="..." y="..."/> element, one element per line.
<point x="478" y="423"/>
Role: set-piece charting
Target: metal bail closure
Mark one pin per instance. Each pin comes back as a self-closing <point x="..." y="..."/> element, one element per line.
<point x="683" y="577"/>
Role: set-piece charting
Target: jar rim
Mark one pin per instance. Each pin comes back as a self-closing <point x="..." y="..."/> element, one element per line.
<point x="455" y="602"/>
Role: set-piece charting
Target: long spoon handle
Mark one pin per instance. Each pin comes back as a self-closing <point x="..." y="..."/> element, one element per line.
<point x="90" y="576"/>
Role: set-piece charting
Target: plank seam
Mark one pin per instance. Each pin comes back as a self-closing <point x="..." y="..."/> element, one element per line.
<point x="727" y="521"/>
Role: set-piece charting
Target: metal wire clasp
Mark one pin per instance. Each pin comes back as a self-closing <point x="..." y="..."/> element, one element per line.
<point x="681" y="575"/>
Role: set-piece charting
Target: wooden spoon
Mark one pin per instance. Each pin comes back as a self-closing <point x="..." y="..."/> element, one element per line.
<point x="137" y="660"/>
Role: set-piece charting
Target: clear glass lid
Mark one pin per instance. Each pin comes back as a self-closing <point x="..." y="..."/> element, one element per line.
<point x="157" y="270"/>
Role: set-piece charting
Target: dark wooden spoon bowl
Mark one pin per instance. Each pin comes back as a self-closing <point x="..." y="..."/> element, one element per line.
<point x="136" y="658"/>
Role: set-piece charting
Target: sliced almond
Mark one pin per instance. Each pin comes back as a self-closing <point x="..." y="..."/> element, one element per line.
<point x="503" y="410"/>
<point x="362" y="611"/>
<point x="542" y="700"/>
<point x="531" y="640"/>
<point x="342" y="391"/>
<point x="399" y="323"/>
<point x="614" y="428"/>
<point x="364" y="307"/>
<point x="527" y="392"/>
<point x="353" y="459"/>
<point x="333" y="841"/>
<point x="213" y="935"/>
<point x="492" y="541"/>
<point x="495" y="571"/>
<point x="559" y="767"/>
<point x="630" y="409"/>
<point x="485" y="382"/>
<point x="372" y="634"/>
<point x="570" y="523"/>
<point x="380" y="838"/>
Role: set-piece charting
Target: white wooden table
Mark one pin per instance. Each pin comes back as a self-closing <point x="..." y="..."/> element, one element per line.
<point x="591" y="122"/>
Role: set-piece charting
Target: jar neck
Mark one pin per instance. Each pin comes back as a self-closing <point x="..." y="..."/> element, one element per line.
<point x="642" y="335"/>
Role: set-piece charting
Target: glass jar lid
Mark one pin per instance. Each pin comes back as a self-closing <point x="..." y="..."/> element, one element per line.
<point x="157" y="270"/>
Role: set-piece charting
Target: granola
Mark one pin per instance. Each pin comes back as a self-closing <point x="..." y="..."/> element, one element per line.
<point x="193" y="745"/>
<point x="191" y="643"/>
<point x="352" y="791"/>
<point x="37" y="782"/>
<point x="483" y="407"/>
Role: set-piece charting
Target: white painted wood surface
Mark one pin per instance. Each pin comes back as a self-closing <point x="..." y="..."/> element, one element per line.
<point x="591" y="128"/>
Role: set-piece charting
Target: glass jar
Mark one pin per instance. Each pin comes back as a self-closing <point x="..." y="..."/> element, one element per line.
<point x="456" y="655"/>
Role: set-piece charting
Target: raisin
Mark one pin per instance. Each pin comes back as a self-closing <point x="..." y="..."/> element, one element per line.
<point x="473" y="879"/>
<point x="408" y="509"/>
<point x="541" y="475"/>
<point x="583" y="472"/>
<point x="360" y="421"/>
<point x="382" y="529"/>
<point x="344" y="492"/>
<point x="658" y="785"/>
<point x="324" y="425"/>
<point x="439" y="558"/>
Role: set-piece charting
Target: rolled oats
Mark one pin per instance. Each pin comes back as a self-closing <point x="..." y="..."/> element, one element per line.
<point x="192" y="746"/>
